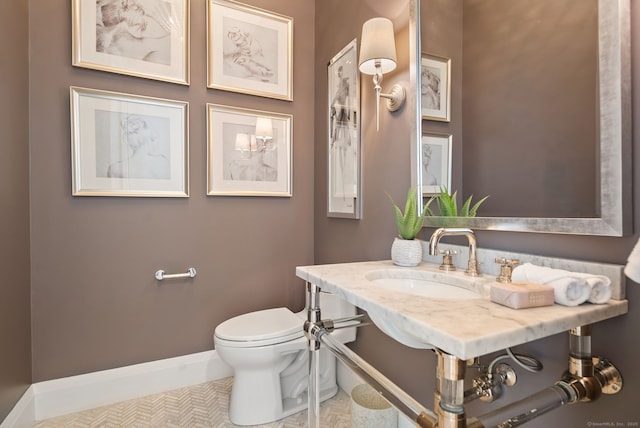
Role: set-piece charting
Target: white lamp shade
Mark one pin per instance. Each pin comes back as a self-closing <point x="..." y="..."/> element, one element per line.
<point x="378" y="44"/>
<point x="264" y="128"/>
<point x="242" y="142"/>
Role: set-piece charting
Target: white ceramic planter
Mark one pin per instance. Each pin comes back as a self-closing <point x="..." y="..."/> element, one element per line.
<point x="406" y="252"/>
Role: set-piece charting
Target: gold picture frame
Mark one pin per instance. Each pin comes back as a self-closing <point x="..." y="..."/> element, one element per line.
<point x="436" y="87"/>
<point x="150" y="41"/>
<point x="249" y="152"/>
<point x="249" y="50"/>
<point x="128" y="145"/>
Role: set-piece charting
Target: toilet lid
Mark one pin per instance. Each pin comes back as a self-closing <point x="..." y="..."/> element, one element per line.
<point x="268" y="324"/>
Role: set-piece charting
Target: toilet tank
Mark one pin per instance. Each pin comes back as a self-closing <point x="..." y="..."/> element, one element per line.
<point x="333" y="307"/>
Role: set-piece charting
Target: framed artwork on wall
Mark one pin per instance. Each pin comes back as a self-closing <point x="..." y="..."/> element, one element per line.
<point x="147" y="39"/>
<point x="436" y="163"/>
<point x="128" y="145"/>
<point x="248" y="152"/>
<point x="249" y="50"/>
<point x="343" y="165"/>
<point x="436" y="87"/>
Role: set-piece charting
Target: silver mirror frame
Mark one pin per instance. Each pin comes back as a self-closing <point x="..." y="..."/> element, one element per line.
<point x="415" y="98"/>
<point x="615" y="194"/>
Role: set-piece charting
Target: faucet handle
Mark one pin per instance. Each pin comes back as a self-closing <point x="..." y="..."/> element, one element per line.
<point x="447" y="260"/>
<point x="506" y="268"/>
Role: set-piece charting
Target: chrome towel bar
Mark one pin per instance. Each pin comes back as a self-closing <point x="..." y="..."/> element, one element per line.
<point x="160" y="274"/>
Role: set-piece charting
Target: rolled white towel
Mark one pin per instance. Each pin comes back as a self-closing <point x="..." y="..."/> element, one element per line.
<point x="600" y="287"/>
<point x="569" y="289"/>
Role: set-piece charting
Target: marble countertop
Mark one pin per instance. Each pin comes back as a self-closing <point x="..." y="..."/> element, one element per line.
<point x="463" y="328"/>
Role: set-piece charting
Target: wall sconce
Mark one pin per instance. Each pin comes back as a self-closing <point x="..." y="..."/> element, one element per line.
<point x="248" y="143"/>
<point x="244" y="144"/>
<point x="378" y="56"/>
<point x="264" y="132"/>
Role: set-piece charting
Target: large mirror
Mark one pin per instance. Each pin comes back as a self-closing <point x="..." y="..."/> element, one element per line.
<point x="539" y="95"/>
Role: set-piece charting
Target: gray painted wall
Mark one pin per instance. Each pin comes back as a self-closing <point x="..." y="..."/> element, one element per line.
<point x="15" y="312"/>
<point x="95" y="301"/>
<point x="95" y="304"/>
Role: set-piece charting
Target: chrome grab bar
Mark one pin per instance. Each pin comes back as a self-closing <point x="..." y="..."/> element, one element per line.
<point x="160" y="274"/>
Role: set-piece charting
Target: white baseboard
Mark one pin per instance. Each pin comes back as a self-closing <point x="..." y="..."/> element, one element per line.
<point x="58" y="397"/>
<point x="23" y="414"/>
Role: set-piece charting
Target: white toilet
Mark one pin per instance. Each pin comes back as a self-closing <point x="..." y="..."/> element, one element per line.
<point x="268" y="353"/>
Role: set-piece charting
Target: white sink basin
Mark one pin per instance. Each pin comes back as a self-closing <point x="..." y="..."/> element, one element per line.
<point x="424" y="284"/>
<point x="426" y="288"/>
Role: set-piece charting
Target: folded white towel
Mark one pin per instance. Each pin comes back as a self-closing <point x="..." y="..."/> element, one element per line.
<point x="600" y="287"/>
<point x="569" y="289"/>
<point x="632" y="270"/>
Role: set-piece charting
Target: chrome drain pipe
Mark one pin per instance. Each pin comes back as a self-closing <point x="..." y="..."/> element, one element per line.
<point x="526" y="409"/>
<point x="586" y="379"/>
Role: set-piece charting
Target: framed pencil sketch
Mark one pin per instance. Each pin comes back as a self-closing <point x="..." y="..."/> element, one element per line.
<point x="148" y="39"/>
<point x="436" y="87"/>
<point x="343" y="187"/>
<point x="249" y="50"/>
<point x="436" y="163"/>
<point x="128" y="145"/>
<point x="248" y="152"/>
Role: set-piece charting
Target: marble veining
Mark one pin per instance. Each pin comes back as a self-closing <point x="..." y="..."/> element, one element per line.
<point x="488" y="267"/>
<point x="464" y="328"/>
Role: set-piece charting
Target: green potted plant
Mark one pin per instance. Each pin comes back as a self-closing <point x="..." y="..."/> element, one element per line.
<point x="406" y="249"/>
<point x="448" y="207"/>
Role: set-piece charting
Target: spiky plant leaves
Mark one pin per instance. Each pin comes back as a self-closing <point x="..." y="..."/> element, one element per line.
<point x="447" y="204"/>
<point x="464" y="212"/>
<point x="409" y="223"/>
<point x="474" y="209"/>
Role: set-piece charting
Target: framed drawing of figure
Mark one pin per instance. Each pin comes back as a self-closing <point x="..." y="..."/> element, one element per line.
<point x="143" y="38"/>
<point x="128" y="145"/>
<point x="249" y="50"/>
<point x="436" y="88"/>
<point x="436" y="163"/>
<point x="343" y="118"/>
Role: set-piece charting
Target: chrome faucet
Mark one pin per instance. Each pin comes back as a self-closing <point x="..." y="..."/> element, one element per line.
<point x="472" y="267"/>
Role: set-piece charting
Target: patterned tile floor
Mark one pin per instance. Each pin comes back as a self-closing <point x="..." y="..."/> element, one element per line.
<point x="199" y="406"/>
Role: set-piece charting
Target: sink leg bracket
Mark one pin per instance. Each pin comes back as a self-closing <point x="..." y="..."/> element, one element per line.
<point x="586" y="379"/>
<point x="317" y="333"/>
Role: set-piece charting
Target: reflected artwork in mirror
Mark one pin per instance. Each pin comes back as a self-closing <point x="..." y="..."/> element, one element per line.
<point x="543" y="100"/>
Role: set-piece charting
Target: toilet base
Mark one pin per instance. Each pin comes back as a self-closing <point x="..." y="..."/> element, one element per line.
<point x="292" y="406"/>
<point x="256" y="398"/>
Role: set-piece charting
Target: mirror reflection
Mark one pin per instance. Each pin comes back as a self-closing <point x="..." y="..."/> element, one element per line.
<point x="536" y="109"/>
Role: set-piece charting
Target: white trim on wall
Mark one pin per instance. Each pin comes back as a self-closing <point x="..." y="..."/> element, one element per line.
<point x="44" y="400"/>
<point x="23" y="413"/>
<point x="58" y="397"/>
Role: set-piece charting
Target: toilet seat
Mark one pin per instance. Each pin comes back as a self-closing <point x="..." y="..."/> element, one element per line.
<point x="260" y="328"/>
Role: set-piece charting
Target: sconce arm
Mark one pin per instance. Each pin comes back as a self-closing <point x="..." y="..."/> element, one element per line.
<point x="395" y="98"/>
